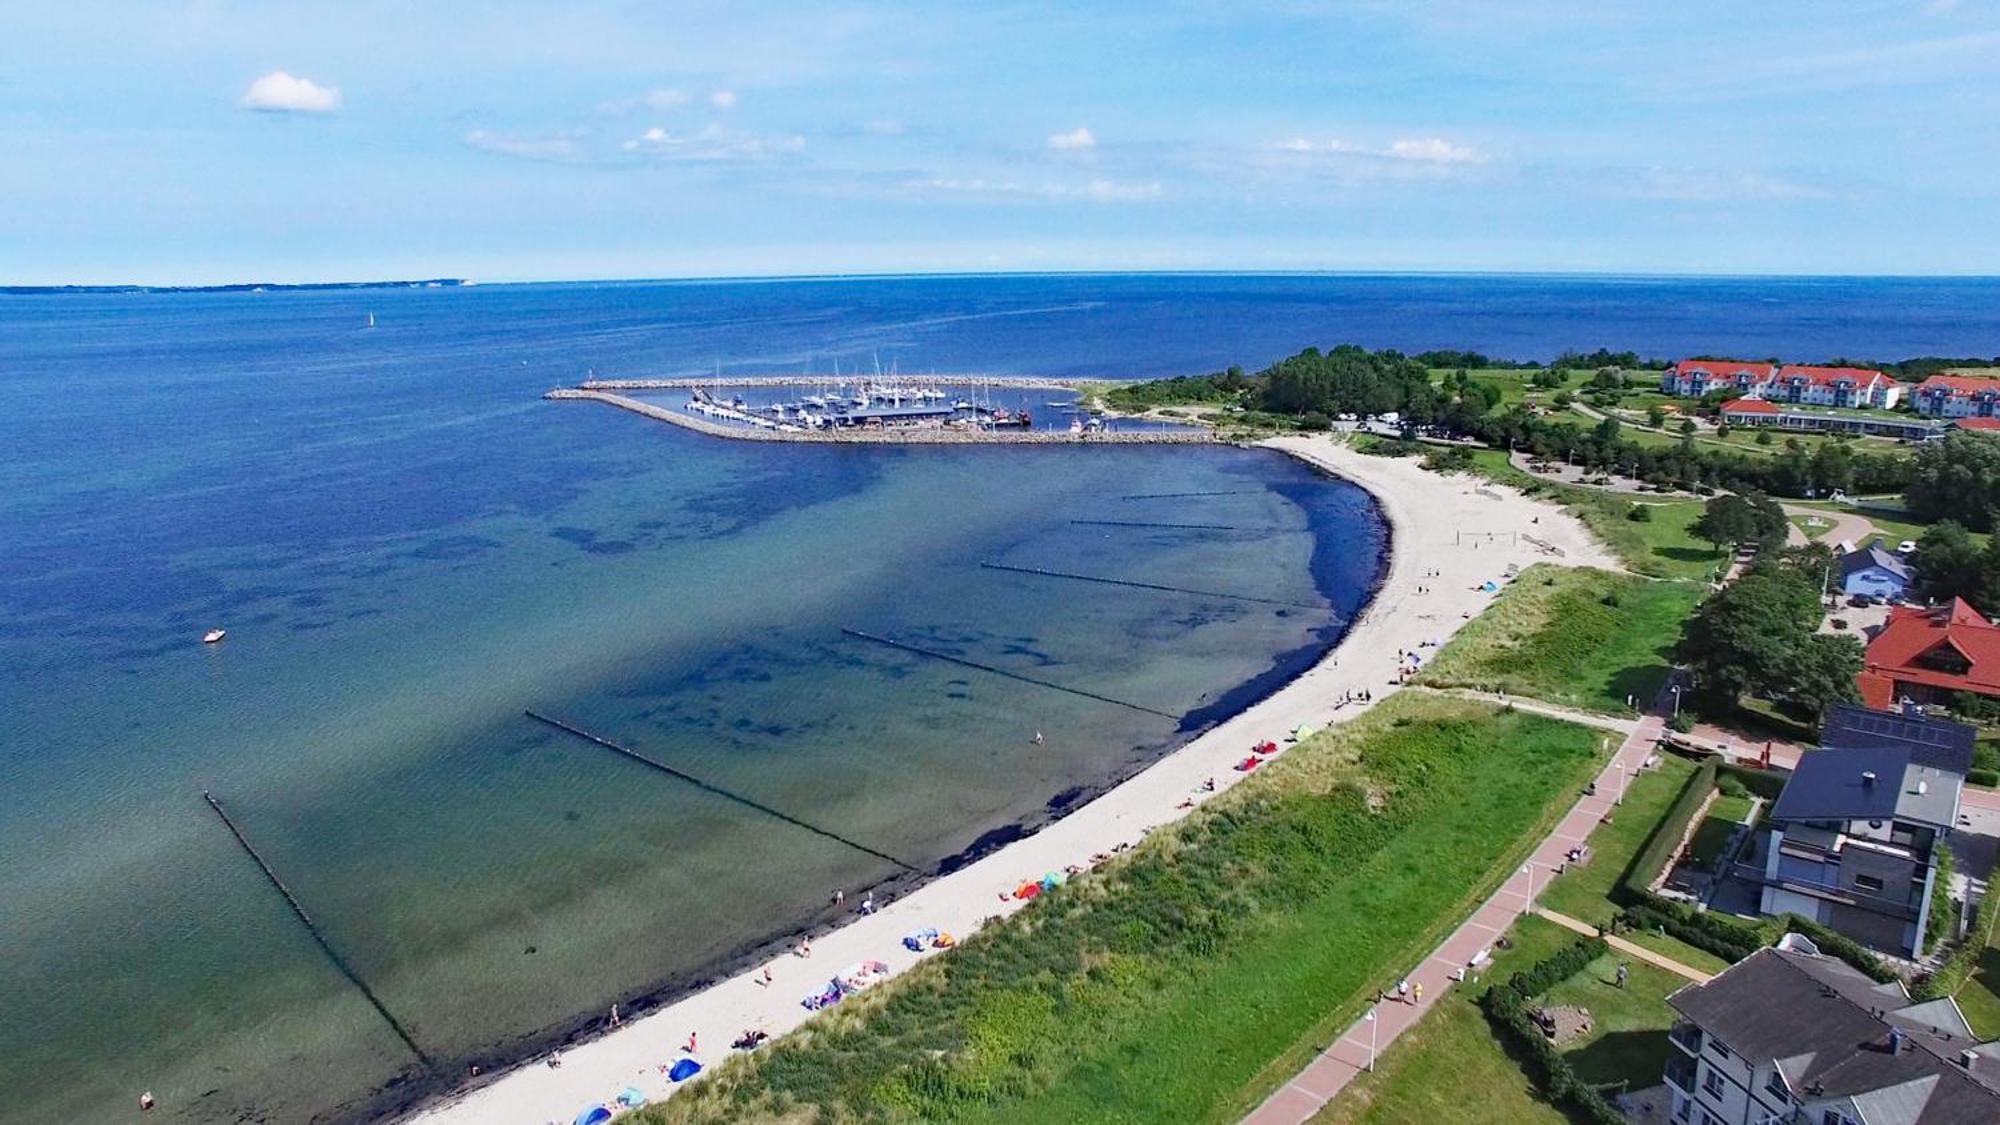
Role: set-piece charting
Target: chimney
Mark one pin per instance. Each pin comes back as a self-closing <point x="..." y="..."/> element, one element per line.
<point x="1868" y="778"/>
<point x="1967" y="1058"/>
<point x="1896" y="1040"/>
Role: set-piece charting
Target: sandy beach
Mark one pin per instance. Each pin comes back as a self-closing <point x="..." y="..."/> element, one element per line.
<point x="1449" y="536"/>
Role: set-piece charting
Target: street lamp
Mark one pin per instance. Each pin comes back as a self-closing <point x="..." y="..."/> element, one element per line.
<point x="1622" y="778"/>
<point x="1370" y="1017"/>
<point x="1676" y="689"/>
<point x="1528" y="869"/>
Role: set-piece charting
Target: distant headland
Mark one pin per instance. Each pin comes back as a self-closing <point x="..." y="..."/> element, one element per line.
<point x="238" y="287"/>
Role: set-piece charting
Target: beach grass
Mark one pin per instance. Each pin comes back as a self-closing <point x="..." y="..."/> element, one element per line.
<point x="1571" y="636"/>
<point x="1659" y="547"/>
<point x="1187" y="980"/>
<point x="1452" y="1061"/>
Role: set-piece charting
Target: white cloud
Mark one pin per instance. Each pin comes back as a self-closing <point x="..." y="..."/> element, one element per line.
<point x="553" y="149"/>
<point x="1075" y="140"/>
<point x="1435" y="150"/>
<point x="1095" y="190"/>
<point x="278" y="92"/>
<point x="1418" y="150"/>
<point x="723" y="99"/>
<point x="712" y="144"/>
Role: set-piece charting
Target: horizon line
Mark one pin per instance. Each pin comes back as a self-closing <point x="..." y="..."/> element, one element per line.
<point x="910" y="275"/>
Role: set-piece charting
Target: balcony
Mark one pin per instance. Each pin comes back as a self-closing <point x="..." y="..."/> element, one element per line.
<point x="1687" y="1037"/>
<point x="1680" y="1073"/>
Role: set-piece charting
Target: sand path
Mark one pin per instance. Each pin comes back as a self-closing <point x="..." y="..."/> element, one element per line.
<point x="1449" y="535"/>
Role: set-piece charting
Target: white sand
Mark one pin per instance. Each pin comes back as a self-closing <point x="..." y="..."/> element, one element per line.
<point x="1426" y="513"/>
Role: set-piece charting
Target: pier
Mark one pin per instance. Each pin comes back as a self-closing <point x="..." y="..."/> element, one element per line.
<point x="717" y="790"/>
<point x="312" y="928"/>
<point x="1017" y="382"/>
<point x="911" y="435"/>
<point x="988" y="668"/>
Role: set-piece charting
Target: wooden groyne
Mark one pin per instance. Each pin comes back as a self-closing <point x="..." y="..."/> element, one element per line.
<point x="717" y="790"/>
<point x="1040" y="573"/>
<point x="1161" y="526"/>
<point x="312" y="928"/>
<point x="988" y="668"/>
<point x="882" y="436"/>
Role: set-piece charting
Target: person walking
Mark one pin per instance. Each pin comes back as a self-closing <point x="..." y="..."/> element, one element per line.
<point x="1624" y="971"/>
<point x="1403" y="990"/>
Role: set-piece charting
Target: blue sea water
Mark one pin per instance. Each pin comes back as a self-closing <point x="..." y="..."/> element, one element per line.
<point x="409" y="549"/>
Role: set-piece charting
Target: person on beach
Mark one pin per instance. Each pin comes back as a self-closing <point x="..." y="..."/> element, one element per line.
<point x="839" y="897"/>
<point x="614" y="1016"/>
<point x="868" y="905"/>
<point x="1403" y="990"/>
<point x="767" y="976"/>
<point x="691" y="1043"/>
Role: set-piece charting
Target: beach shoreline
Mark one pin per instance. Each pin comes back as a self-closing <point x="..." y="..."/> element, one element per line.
<point x="1447" y="535"/>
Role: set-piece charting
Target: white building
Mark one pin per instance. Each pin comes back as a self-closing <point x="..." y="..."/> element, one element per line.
<point x="1794" y="382"/>
<point x="1958" y="396"/>
<point x="1789" y="1037"/>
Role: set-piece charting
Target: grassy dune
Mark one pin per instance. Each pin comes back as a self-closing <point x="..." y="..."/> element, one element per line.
<point x="1578" y="637"/>
<point x="1187" y="980"/>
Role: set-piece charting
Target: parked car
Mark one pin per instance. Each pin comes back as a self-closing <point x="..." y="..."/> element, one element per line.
<point x="1860" y="601"/>
<point x="1907" y="547"/>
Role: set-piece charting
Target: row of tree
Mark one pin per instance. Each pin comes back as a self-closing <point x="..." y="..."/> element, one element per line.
<point x="1952" y="565"/>
<point x="1956" y="479"/>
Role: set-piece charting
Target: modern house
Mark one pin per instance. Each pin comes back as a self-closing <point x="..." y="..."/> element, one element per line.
<point x="1873" y="572"/>
<point x="1926" y="655"/>
<point x="1854" y="840"/>
<point x="1958" y="396"/>
<point x="1788" y="1036"/>
<point x="1799" y="383"/>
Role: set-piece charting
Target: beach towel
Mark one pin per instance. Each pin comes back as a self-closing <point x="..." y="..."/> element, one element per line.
<point x="918" y="940"/>
<point x="631" y="1098"/>
<point x="684" y="1070"/>
<point x="1027" y="890"/>
<point x="1248" y="764"/>
<point x="944" y="941"/>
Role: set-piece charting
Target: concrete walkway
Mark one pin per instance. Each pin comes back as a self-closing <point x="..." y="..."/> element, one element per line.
<point x="1534" y="707"/>
<point x="1302" y="1097"/>
<point x="1636" y="952"/>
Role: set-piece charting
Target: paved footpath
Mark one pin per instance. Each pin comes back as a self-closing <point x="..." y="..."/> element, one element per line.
<point x="1636" y="952"/>
<point x="1299" y="1099"/>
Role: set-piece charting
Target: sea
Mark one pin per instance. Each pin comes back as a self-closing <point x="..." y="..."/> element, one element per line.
<point x="411" y="551"/>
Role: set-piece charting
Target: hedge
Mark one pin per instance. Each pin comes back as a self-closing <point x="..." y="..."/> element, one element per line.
<point x="1506" y="1007"/>
<point x="1733" y="939"/>
<point x="1989" y="778"/>
<point x="1763" y="783"/>
<point x="1957" y="968"/>
<point x="1660" y="847"/>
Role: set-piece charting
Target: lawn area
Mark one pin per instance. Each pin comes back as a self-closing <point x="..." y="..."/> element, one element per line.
<point x="1980" y="998"/>
<point x="1452" y="1061"/>
<point x="1585" y="893"/>
<point x="1724" y="816"/>
<point x="1188" y="979"/>
<point x="1570" y="635"/>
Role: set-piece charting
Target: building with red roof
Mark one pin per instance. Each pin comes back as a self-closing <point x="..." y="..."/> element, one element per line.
<point x="1748" y="409"/>
<point x="1958" y="396"/>
<point x="1978" y="423"/>
<point x="1926" y="654"/>
<point x="1693" y="378"/>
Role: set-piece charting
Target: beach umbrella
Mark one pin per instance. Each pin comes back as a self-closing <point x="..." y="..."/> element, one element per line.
<point x="682" y="1071"/>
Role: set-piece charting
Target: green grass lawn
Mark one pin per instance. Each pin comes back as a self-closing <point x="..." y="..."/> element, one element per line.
<point x="1980" y="998"/>
<point x="1190" y="978"/>
<point x="1725" y="815"/>
<point x="1452" y="1060"/>
<point x="1660" y="547"/>
<point x="1573" y="636"/>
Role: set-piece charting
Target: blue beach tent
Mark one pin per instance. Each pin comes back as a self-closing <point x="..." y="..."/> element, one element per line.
<point x="594" y="1115"/>
<point x="684" y="1070"/>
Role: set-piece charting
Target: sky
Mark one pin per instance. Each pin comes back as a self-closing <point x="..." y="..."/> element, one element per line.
<point x="210" y="141"/>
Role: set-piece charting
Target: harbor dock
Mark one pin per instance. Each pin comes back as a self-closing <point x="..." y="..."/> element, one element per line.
<point x="606" y="391"/>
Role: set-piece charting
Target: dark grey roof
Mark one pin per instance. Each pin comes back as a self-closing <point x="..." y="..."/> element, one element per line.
<point x="1823" y="1023"/>
<point x="1873" y="555"/>
<point x="1932" y="742"/>
<point x="1830" y="785"/>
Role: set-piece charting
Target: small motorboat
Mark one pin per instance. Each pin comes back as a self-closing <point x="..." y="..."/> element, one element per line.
<point x="214" y="636"/>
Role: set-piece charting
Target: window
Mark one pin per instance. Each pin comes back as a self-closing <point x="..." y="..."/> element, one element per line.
<point x="1711" y="1082"/>
<point x="1833" y="1117"/>
<point x="1714" y="1044"/>
<point x="1775" y="1086"/>
<point x="1867" y="883"/>
<point x="1708" y="1118"/>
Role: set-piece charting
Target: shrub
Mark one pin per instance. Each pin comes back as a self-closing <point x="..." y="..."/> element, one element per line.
<point x="1506" y="1007"/>
<point x="1640" y="513"/>
<point x="1730" y="786"/>
<point x="1988" y="778"/>
<point x="1681" y="723"/>
<point x="1732" y="941"/>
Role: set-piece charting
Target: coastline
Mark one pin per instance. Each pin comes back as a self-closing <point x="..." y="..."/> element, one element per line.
<point x="1423" y="512"/>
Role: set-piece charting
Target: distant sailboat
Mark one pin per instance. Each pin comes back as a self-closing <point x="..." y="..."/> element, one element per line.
<point x="371" y="320"/>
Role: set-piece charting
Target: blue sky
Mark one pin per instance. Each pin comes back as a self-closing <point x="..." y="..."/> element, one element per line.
<point x="214" y="141"/>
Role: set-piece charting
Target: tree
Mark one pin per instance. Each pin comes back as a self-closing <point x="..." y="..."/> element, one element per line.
<point x="1656" y="416"/>
<point x="1732" y="519"/>
<point x="1822" y="671"/>
<point x="1687" y="427"/>
<point x="1747" y="632"/>
<point x="1949" y="564"/>
<point x="1957" y="478"/>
